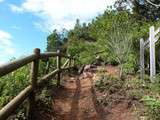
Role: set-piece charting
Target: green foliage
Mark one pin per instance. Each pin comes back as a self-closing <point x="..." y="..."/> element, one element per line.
<point x="130" y="65"/>
<point x="145" y="93"/>
<point x="43" y="67"/>
<point x="108" y="83"/>
<point x="81" y="45"/>
<point x="151" y="102"/>
<point x="119" y="42"/>
<point x="115" y="32"/>
<point x="57" y="41"/>
<point x="155" y="86"/>
<point x="135" y="94"/>
<point x="109" y="86"/>
<point x="53" y="41"/>
<point x="153" y="107"/>
<point x="45" y="97"/>
<point x="141" y="8"/>
<point x="101" y="83"/>
<point x="13" y="83"/>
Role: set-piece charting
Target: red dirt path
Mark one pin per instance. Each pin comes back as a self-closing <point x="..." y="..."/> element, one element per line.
<point x="78" y="101"/>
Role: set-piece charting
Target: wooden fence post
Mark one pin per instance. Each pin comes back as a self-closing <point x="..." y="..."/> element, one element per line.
<point x="142" y="71"/>
<point x="152" y="53"/>
<point x="34" y="77"/>
<point x="59" y="68"/>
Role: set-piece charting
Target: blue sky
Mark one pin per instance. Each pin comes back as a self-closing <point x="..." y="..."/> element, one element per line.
<point x="25" y="24"/>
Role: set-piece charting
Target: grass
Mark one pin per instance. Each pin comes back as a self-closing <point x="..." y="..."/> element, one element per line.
<point x="143" y="94"/>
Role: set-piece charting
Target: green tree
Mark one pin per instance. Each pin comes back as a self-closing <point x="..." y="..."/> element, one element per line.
<point x="150" y="9"/>
<point x="53" y="41"/>
<point x="119" y="45"/>
<point x="57" y="41"/>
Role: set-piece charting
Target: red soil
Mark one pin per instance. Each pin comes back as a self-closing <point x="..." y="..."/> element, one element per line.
<point x="78" y="101"/>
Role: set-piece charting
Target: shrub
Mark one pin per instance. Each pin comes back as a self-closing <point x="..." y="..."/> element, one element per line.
<point x="153" y="107"/>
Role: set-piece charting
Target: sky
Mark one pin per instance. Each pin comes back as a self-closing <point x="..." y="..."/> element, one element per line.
<point x="25" y="24"/>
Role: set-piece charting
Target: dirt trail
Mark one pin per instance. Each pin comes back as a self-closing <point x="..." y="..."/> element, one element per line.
<point x="78" y="101"/>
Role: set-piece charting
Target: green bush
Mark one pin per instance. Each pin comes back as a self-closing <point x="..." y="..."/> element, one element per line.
<point x="153" y="107"/>
<point x="108" y="83"/>
<point x="13" y="83"/>
<point x="130" y="65"/>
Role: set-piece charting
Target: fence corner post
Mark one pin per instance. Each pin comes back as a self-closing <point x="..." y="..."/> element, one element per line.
<point x="34" y="78"/>
<point x="59" y="68"/>
<point x="142" y="71"/>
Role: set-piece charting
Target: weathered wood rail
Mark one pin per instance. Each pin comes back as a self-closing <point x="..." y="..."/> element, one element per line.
<point x="30" y="91"/>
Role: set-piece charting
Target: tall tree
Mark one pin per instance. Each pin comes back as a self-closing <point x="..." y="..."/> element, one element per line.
<point x="53" y="41"/>
<point x="57" y="40"/>
<point x="146" y="9"/>
<point x="150" y="9"/>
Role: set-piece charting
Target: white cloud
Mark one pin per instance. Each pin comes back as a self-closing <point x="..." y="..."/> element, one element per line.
<point x="62" y="13"/>
<point x="15" y="8"/>
<point x="1" y="0"/>
<point x="5" y="38"/>
<point x="6" y="45"/>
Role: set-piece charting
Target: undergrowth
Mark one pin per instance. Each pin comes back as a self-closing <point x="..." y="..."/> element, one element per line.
<point x="139" y="92"/>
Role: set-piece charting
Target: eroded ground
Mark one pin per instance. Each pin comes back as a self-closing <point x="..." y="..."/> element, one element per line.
<point x="77" y="100"/>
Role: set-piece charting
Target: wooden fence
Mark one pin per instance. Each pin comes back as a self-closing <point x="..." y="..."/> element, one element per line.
<point x="149" y="43"/>
<point x="30" y="91"/>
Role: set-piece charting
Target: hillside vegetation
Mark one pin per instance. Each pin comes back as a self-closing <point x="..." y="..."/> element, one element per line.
<point x="113" y="37"/>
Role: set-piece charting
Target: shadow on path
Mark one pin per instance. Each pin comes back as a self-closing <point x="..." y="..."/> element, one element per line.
<point x="99" y="109"/>
<point x="75" y="102"/>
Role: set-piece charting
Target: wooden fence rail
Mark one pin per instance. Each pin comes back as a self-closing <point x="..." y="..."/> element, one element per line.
<point x="30" y="91"/>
